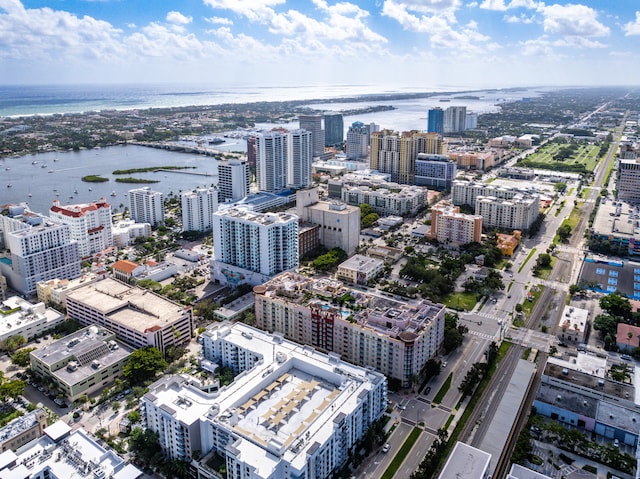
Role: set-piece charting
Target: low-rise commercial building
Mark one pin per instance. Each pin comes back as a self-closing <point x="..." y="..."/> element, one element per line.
<point x="21" y="318"/>
<point x="290" y="412"/>
<point x="22" y="430"/>
<point x="360" y="269"/>
<point x="507" y="244"/>
<point x="55" y="291"/>
<point x="81" y="363"/>
<point x="396" y="338"/>
<point x="138" y="317"/>
<point x="574" y="325"/>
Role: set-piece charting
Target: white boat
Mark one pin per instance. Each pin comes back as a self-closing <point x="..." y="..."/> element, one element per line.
<point x="113" y="193"/>
<point x="34" y="162"/>
<point x="9" y="185"/>
<point x="90" y="189"/>
<point x="30" y="195"/>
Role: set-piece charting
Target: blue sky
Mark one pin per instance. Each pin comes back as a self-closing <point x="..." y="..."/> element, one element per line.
<point x="390" y="43"/>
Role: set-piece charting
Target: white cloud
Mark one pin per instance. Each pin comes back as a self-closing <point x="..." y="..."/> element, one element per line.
<point x="219" y="21"/>
<point x="500" y="5"/>
<point x="632" y="28"/>
<point x="255" y="10"/>
<point x="493" y="5"/>
<point x="178" y="18"/>
<point x="572" y="20"/>
<point x="522" y="18"/>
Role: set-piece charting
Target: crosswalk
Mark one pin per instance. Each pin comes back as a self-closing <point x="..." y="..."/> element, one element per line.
<point x="482" y="335"/>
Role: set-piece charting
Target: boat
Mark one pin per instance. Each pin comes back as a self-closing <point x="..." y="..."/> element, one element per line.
<point x="30" y="195"/>
<point x="9" y="185"/>
<point x="7" y="168"/>
<point x="75" y="191"/>
<point x="70" y="197"/>
<point x="90" y="189"/>
<point x="43" y="166"/>
<point x="50" y="171"/>
<point x="34" y="162"/>
<point x="216" y="141"/>
<point x="55" y="159"/>
<point x="113" y="193"/>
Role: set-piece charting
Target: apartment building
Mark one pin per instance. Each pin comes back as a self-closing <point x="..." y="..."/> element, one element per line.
<point x="436" y="171"/>
<point x="466" y="192"/>
<point x="290" y="412"/>
<point x="146" y="206"/>
<point x="233" y="180"/>
<point x="394" y="337"/>
<point x="250" y="247"/>
<point x="138" y="317"/>
<point x="518" y="213"/>
<point x="628" y="185"/>
<point x="90" y="224"/>
<point x="386" y="198"/>
<point x="448" y="225"/>
<point x="39" y="248"/>
<point x="197" y="208"/>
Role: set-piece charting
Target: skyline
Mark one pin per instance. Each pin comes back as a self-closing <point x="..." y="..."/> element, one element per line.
<point x="411" y="43"/>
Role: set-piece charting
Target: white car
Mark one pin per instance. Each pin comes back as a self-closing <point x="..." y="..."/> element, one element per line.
<point x="386" y="448"/>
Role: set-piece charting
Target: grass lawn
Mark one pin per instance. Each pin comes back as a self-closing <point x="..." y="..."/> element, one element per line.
<point x="527" y="306"/>
<point x="545" y="273"/>
<point x="8" y="415"/>
<point x="443" y="390"/>
<point x="586" y="155"/>
<point x="461" y="301"/>
<point x="572" y="221"/>
<point x="402" y="453"/>
<point x="533" y="250"/>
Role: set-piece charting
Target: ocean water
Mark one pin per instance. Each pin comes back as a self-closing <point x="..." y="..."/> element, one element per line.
<point x="18" y="100"/>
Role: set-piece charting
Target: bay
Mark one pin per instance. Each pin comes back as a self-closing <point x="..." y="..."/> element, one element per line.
<point x="58" y="175"/>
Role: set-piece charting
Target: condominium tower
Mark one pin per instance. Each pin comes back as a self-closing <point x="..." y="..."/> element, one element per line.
<point x="435" y="121"/>
<point x="233" y="180"/>
<point x="146" y="206"/>
<point x="284" y="160"/>
<point x="357" y="147"/>
<point x="313" y="123"/>
<point x="39" y="249"/>
<point x="455" y="119"/>
<point x="90" y="224"/>
<point x="197" y="207"/>
<point x="396" y="153"/>
<point x="251" y="247"/>
<point x="333" y="129"/>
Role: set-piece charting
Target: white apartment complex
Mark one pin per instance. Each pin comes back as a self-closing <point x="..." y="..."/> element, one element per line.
<point x="396" y="338"/>
<point x="125" y="232"/>
<point x="518" y="213"/>
<point x="40" y="248"/>
<point x="197" y="208"/>
<point x="146" y="206"/>
<point x="339" y="222"/>
<point x="448" y="225"/>
<point x="291" y="411"/>
<point x="455" y="119"/>
<point x="138" y="317"/>
<point x="233" y="180"/>
<point x="250" y="247"/>
<point x="466" y="192"/>
<point x="90" y="225"/>
<point x="357" y="146"/>
<point x="387" y="198"/>
<point x="284" y="159"/>
<point x="20" y="317"/>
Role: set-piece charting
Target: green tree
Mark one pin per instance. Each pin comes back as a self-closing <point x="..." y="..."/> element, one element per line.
<point x="144" y="444"/>
<point x="616" y="305"/>
<point x="564" y="232"/>
<point x="543" y="261"/>
<point x="21" y="357"/>
<point x="13" y="342"/>
<point x="143" y="365"/>
<point x="134" y="417"/>
<point x="11" y="388"/>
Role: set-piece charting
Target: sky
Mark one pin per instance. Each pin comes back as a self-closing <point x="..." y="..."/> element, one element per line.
<point x="390" y="43"/>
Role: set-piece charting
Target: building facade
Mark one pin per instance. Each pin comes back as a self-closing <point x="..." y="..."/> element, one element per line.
<point x="290" y="412"/>
<point x="360" y="269"/>
<point x="393" y="337"/>
<point x="435" y="121"/>
<point x="387" y="198"/>
<point x="396" y="153"/>
<point x="197" y="208"/>
<point x="233" y="180"/>
<point x="628" y="185"/>
<point x="357" y="146"/>
<point x="90" y="225"/>
<point x="466" y="192"/>
<point x="39" y="249"/>
<point x="518" y="213"/>
<point x="82" y="362"/>
<point x="146" y="206"/>
<point x="300" y="159"/>
<point x="313" y="124"/>
<point x="23" y="430"/>
<point x="272" y="153"/>
<point x="448" y="225"/>
<point x="250" y="247"/>
<point x="436" y="171"/>
<point x="21" y="318"/>
<point x="339" y="222"/>
<point x="333" y="129"/>
<point x="455" y="119"/>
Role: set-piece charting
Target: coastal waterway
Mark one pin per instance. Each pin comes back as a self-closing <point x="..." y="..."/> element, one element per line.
<point x="42" y="178"/>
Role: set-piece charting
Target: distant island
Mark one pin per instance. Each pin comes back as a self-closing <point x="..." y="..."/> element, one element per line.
<point x="129" y="179"/>
<point x="94" y="179"/>
<point x="148" y="169"/>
